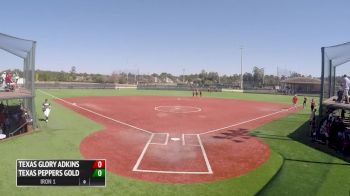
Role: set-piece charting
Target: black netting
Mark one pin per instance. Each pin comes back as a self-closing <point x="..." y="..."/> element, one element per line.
<point x="16" y="46"/>
<point x="332" y="57"/>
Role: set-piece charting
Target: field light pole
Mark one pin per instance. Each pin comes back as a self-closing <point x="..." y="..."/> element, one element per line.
<point x="127" y="78"/>
<point x="263" y="70"/>
<point x="241" y="68"/>
<point x="183" y="75"/>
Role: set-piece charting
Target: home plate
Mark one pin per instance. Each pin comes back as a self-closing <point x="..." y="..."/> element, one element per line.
<point x="74" y="103"/>
<point x="175" y="138"/>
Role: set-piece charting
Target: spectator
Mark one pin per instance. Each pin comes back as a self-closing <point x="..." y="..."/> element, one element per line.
<point x="8" y="81"/>
<point x="345" y="84"/>
<point x="13" y="120"/>
<point x="3" y="76"/>
<point x="2" y="81"/>
<point x="342" y="115"/>
<point x="7" y="125"/>
<point x="340" y="95"/>
<point x="333" y="132"/>
<point x="15" y="78"/>
<point x="2" y="107"/>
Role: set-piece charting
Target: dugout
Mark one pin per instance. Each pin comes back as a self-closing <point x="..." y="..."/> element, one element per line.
<point x="306" y="85"/>
<point x="22" y="90"/>
<point x="333" y="58"/>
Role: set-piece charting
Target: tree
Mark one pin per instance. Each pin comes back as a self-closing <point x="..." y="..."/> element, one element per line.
<point x="97" y="78"/>
<point x="247" y="77"/>
<point x="295" y="74"/>
<point x="271" y="80"/>
<point x="258" y="76"/>
<point x="113" y="77"/>
<point x="61" y="76"/>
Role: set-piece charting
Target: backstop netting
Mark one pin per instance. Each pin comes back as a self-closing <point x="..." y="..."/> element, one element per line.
<point x="25" y="89"/>
<point x="332" y="58"/>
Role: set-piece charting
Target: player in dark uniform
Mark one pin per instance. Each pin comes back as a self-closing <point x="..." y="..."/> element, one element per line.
<point x="313" y="104"/>
<point x="304" y="102"/>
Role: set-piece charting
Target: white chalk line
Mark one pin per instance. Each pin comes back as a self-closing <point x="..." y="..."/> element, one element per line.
<point x="183" y="139"/>
<point x="184" y="143"/>
<point x="142" y="153"/>
<point x="204" y="154"/>
<point x="98" y="114"/>
<point x="158" y="108"/>
<point x="170" y="172"/>
<point x="247" y="121"/>
<point x="166" y="139"/>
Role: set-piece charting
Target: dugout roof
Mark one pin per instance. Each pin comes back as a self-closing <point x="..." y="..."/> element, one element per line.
<point x="301" y="80"/>
<point x="16" y="46"/>
<point x="338" y="54"/>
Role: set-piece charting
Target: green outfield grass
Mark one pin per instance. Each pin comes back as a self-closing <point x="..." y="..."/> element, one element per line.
<point x="293" y="167"/>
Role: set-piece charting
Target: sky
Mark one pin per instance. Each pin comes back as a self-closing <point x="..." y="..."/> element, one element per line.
<point x="154" y="36"/>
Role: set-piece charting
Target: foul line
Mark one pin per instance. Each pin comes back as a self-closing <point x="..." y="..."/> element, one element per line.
<point x="248" y="121"/>
<point x="204" y="155"/>
<point x="98" y="114"/>
<point x="142" y="153"/>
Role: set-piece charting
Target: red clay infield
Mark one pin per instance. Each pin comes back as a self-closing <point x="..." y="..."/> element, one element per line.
<point x="176" y="139"/>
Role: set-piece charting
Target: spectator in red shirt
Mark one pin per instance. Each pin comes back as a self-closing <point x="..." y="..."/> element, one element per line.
<point x="8" y="78"/>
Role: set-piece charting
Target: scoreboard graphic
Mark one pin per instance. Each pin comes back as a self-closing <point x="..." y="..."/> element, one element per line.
<point x="61" y="172"/>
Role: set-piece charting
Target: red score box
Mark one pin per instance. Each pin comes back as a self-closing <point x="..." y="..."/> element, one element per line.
<point x="99" y="164"/>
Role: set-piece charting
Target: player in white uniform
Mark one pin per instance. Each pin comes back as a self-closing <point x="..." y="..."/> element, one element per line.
<point x="46" y="109"/>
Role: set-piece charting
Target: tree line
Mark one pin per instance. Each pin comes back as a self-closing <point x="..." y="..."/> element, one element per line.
<point x="254" y="79"/>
